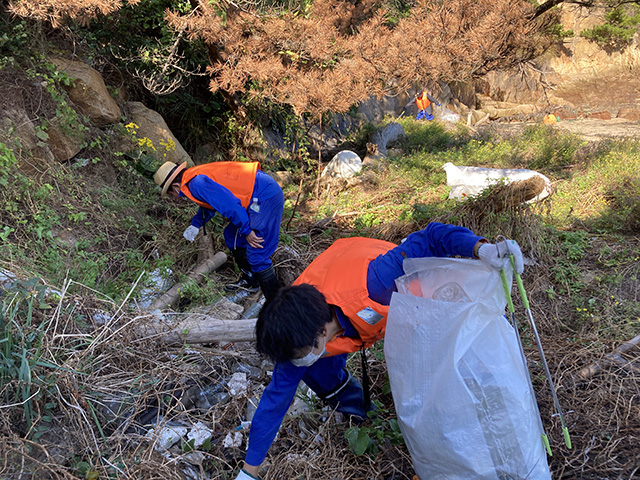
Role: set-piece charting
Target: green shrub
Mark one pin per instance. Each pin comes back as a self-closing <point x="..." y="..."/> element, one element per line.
<point x="621" y="24"/>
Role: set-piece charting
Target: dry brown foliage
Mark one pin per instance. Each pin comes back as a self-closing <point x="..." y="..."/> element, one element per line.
<point x="337" y="53"/>
<point x="340" y="52"/>
<point x="56" y="12"/>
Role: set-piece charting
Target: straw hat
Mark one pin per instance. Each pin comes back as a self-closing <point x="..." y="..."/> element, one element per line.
<point x="165" y="175"/>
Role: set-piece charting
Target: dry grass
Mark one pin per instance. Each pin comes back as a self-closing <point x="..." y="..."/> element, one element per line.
<point x="602" y="412"/>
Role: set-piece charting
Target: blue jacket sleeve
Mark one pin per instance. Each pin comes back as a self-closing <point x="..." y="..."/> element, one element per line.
<point x="436" y="240"/>
<point x="202" y="217"/>
<point x="222" y="200"/>
<point x="274" y="403"/>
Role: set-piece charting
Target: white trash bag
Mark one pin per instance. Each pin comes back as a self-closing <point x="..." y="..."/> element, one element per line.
<point x="470" y="181"/>
<point x="462" y="392"/>
<point x="449" y="116"/>
<point x="344" y="164"/>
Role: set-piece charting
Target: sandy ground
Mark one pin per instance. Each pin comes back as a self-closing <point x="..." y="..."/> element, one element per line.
<point x="593" y="129"/>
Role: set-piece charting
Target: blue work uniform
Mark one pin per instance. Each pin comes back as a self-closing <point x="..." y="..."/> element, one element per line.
<point x="325" y="375"/>
<point x="263" y="215"/>
<point x="427" y="113"/>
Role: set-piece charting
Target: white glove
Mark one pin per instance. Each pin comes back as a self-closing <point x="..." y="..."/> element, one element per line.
<point x="245" y="476"/>
<point x="190" y="233"/>
<point x="492" y="254"/>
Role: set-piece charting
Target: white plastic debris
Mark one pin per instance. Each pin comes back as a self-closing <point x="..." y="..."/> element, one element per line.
<point x="244" y="426"/>
<point x="470" y="181"/>
<point x="449" y="116"/>
<point x="166" y="437"/>
<point x="200" y="433"/>
<point x="233" y="439"/>
<point x="238" y="384"/>
<point x="101" y="318"/>
<point x="344" y="164"/>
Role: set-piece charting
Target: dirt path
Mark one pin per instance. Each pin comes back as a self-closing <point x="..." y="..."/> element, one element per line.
<point x="591" y="130"/>
<point x="594" y="130"/>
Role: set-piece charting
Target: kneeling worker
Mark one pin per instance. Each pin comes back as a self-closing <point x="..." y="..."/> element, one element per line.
<point x="250" y="199"/>
<point x="339" y="305"/>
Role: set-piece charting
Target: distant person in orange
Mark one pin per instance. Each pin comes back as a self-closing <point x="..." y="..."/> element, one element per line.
<point x="423" y="101"/>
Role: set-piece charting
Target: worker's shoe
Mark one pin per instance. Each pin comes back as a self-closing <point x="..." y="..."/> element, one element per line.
<point x="349" y="399"/>
<point x="246" y="282"/>
<point x="269" y="283"/>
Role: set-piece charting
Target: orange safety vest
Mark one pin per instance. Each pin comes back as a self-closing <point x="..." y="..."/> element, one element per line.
<point x="422" y="101"/>
<point x="238" y="177"/>
<point x="340" y="273"/>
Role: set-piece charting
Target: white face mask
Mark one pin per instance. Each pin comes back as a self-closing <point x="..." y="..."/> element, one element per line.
<point x="310" y="358"/>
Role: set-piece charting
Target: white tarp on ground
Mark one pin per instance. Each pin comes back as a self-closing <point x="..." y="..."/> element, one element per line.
<point x="461" y="388"/>
<point x="470" y="181"/>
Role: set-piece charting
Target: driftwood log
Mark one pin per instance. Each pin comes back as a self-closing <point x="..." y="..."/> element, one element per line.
<point x="196" y="276"/>
<point x="615" y="357"/>
<point x="197" y="329"/>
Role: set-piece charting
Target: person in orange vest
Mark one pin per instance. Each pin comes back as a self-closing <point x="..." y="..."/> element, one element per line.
<point x="339" y="305"/>
<point x="423" y="101"/>
<point x="250" y="199"/>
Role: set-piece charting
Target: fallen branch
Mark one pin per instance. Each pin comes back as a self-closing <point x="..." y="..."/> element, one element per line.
<point x="613" y="357"/>
<point x="197" y="329"/>
<point x="196" y="276"/>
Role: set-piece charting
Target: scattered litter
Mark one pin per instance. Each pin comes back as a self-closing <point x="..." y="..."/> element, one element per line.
<point x="200" y="433"/>
<point x="244" y="426"/>
<point x="238" y="384"/>
<point x="252" y="406"/>
<point x="449" y="116"/>
<point x="296" y="457"/>
<point x="156" y="283"/>
<point x="101" y="318"/>
<point x="6" y="277"/>
<point x="211" y="395"/>
<point x="233" y="439"/>
<point x="253" y="373"/>
<point x="166" y="437"/>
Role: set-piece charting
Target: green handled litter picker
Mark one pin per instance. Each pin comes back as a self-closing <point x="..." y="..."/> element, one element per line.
<point x="525" y="302"/>
<point x="503" y="275"/>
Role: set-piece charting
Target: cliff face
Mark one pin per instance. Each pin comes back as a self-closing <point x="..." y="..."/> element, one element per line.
<point x="579" y="57"/>
<point x="576" y="79"/>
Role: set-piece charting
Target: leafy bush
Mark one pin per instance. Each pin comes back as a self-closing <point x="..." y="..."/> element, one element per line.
<point x="618" y="30"/>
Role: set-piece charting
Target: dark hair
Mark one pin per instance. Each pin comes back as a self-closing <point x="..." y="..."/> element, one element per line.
<point x="178" y="178"/>
<point x="292" y="320"/>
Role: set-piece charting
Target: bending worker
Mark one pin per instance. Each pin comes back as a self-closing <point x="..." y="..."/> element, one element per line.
<point x="339" y="305"/>
<point x="249" y="198"/>
<point x="423" y="102"/>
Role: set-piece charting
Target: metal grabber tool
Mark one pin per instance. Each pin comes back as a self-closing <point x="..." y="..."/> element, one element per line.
<point x="514" y="324"/>
<point x="525" y="302"/>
